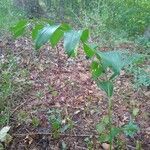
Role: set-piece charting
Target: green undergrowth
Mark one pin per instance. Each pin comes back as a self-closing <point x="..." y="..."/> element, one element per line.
<point x="9" y="15"/>
<point x="105" y="68"/>
<point x="112" y="23"/>
<point x="114" y="20"/>
<point x="13" y="83"/>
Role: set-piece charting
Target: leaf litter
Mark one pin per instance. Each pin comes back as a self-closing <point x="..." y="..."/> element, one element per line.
<point x="66" y="85"/>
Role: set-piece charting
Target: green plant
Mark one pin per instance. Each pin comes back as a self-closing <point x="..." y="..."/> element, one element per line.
<point x="89" y="143"/>
<point x="9" y="15"/>
<point x="130" y="129"/>
<point x="105" y="67"/>
<point x="141" y="76"/>
<point x="39" y="95"/>
<point x="56" y="122"/>
<point x="35" y="121"/>
<point x="106" y="19"/>
<point x="135" y="112"/>
<point x="138" y="146"/>
<point x="13" y="82"/>
<point x="23" y="117"/>
<point x="143" y="43"/>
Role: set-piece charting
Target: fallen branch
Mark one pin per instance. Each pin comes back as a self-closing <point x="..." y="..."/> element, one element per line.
<point x="41" y="133"/>
<point x="18" y="107"/>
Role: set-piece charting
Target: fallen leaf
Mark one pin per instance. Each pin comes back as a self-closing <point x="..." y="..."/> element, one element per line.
<point x="3" y="133"/>
<point x="84" y="77"/>
<point x="106" y="146"/>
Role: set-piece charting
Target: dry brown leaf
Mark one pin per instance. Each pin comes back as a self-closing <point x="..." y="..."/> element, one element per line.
<point x="105" y="146"/>
<point x="83" y="77"/>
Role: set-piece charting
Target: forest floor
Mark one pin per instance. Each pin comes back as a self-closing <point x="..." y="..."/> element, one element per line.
<point x="62" y="88"/>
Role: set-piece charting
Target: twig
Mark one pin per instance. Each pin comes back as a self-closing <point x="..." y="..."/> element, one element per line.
<point x="57" y="89"/>
<point x="129" y="146"/>
<point x="41" y="133"/>
<point x="18" y="107"/>
<point x="79" y="147"/>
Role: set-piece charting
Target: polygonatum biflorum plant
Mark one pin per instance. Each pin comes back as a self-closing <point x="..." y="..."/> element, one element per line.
<point x="102" y="65"/>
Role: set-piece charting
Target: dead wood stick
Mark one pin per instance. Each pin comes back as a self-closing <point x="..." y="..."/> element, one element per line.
<point x="19" y="106"/>
<point x="41" y="133"/>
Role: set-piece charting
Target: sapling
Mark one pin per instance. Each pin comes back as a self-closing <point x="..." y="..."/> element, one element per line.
<point x="105" y="66"/>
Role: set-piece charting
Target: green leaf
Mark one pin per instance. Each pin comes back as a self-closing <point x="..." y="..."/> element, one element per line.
<point x="35" y="121"/>
<point x="104" y="137"/>
<point x="133" y="58"/>
<point x="45" y="34"/>
<point x="88" y="50"/>
<point x="71" y="42"/>
<point x="113" y="60"/>
<point x="64" y="128"/>
<point x="106" y="86"/>
<point x="55" y="38"/>
<point x="58" y="34"/>
<point x="114" y="133"/>
<point x="135" y="111"/>
<point x="130" y="129"/>
<point x="85" y="35"/>
<point x="19" y="28"/>
<point x="35" y="31"/>
<point x="100" y="128"/>
<point x="65" y="27"/>
<point x="117" y="60"/>
<point x="108" y="137"/>
<point x="93" y="46"/>
<point x="96" y="69"/>
<point x="54" y="93"/>
<point x="56" y="125"/>
<point x="105" y="120"/>
<point x="138" y="145"/>
<point x="3" y="133"/>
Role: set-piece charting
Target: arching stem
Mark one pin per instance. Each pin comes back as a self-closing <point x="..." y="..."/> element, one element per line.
<point x="110" y="119"/>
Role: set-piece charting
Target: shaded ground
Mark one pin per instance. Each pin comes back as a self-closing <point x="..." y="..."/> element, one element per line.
<point x="65" y="86"/>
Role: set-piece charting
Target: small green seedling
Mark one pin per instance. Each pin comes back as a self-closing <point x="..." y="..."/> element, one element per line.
<point x="50" y="88"/>
<point x="13" y="82"/>
<point x="35" y="121"/>
<point x="54" y="93"/>
<point x="135" y="112"/>
<point x="23" y="117"/>
<point x="138" y="145"/>
<point x="39" y="95"/>
<point x="89" y="143"/>
<point x="55" y="119"/>
<point x="57" y="123"/>
<point x="130" y="129"/>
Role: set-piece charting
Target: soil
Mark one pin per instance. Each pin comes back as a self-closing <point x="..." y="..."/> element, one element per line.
<point x="64" y="85"/>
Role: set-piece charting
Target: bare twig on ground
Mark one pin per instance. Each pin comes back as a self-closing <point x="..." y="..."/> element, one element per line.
<point x="18" y="107"/>
<point x="41" y="133"/>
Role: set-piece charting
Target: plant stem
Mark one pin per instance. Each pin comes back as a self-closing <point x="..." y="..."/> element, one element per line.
<point x="110" y="120"/>
<point x="58" y="60"/>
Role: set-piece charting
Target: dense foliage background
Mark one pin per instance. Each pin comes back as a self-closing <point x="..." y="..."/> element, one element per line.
<point x="125" y="17"/>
